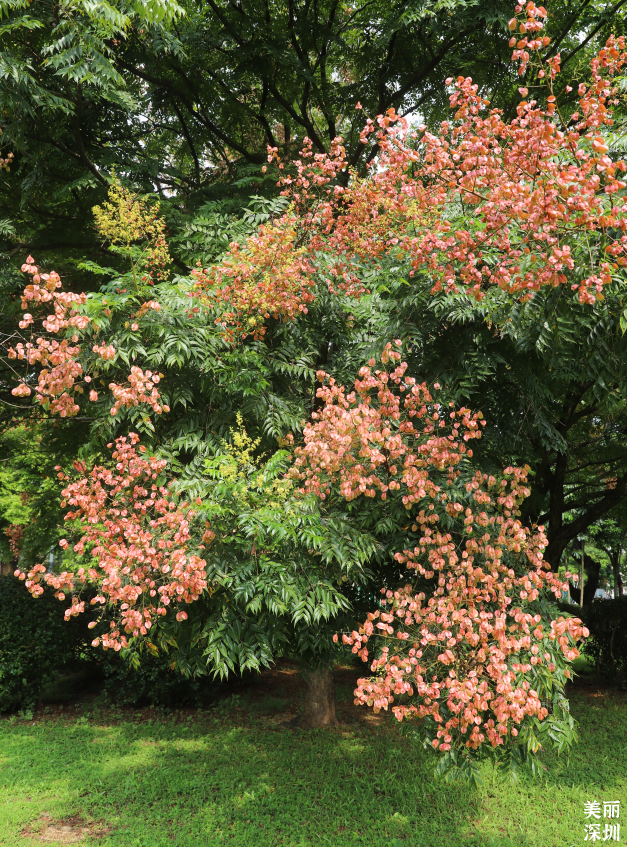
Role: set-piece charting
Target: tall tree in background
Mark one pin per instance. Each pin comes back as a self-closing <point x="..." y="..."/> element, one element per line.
<point x="182" y="98"/>
<point x="550" y="378"/>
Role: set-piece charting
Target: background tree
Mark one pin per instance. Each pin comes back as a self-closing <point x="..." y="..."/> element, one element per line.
<point x="549" y="377"/>
<point x="602" y="549"/>
<point x="87" y="88"/>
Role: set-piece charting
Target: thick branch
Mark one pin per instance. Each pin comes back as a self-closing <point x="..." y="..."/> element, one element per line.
<point x="567" y="532"/>
<point x="579" y="47"/>
<point x="82" y="153"/>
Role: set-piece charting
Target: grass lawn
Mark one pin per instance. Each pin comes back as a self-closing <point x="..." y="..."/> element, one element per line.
<point x="234" y="775"/>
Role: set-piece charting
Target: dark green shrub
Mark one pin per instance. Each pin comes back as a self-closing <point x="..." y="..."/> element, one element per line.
<point x="607" y="644"/>
<point x="36" y="643"/>
<point x="153" y="682"/>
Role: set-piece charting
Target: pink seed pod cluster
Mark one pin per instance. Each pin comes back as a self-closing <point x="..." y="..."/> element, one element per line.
<point x="62" y="361"/>
<point x="57" y="359"/>
<point x="5" y="163"/>
<point x="140" y="389"/>
<point x="139" y="540"/>
<point x="545" y="202"/>
<point x="462" y="651"/>
<point x="270" y="277"/>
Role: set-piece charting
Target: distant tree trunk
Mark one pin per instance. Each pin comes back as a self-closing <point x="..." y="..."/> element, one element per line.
<point x="319" y="698"/>
<point x="618" y="580"/>
<point x="593" y="571"/>
<point x="582" y="574"/>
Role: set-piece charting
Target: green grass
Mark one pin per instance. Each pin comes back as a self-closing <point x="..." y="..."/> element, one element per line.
<point x="232" y="776"/>
<point x="584" y="666"/>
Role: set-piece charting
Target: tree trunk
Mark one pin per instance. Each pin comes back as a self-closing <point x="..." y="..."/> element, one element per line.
<point x="319" y="698"/>
<point x="593" y="571"/>
<point x="560" y="534"/>
<point x="618" y="580"/>
<point x="582" y="573"/>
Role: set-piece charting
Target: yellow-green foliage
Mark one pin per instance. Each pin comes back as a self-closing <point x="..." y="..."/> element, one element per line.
<point x="14" y="506"/>
<point x="248" y="477"/>
<point x="126" y="219"/>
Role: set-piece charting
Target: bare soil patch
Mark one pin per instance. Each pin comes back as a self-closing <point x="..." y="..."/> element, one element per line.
<point x="67" y="831"/>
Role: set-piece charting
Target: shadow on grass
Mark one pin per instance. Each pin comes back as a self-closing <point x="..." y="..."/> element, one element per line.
<point x="206" y="782"/>
<point x="596" y="763"/>
<point x="237" y="778"/>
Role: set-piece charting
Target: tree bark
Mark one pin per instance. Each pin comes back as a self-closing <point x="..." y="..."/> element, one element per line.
<point x="319" y="699"/>
<point x="618" y="580"/>
<point x="593" y="572"/>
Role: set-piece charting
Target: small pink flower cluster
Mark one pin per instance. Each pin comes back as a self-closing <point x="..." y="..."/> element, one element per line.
<point x="139" y="540"/>
<point x="317" y="204"/>
<point x="141" y="389"/>
<point x="43" y="289"/>
<point x="463" y="652"/>
<point x="59" y="377"/>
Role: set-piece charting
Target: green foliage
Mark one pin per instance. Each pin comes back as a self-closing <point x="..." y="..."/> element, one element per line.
<point x="206" y="237"/>
<point x="30" y="491"/>
<point x="277" y="565"/>
<point x="36" y="643"/>
<point x="607" y="644"/>
<point x="73" y="48"/>
<point x="154" y="680"/>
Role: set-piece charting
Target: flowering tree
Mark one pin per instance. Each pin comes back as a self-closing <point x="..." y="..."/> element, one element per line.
<point x="540" y="198"/>
<point x="477" y="654"/>
<point x="484" y="204"/>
